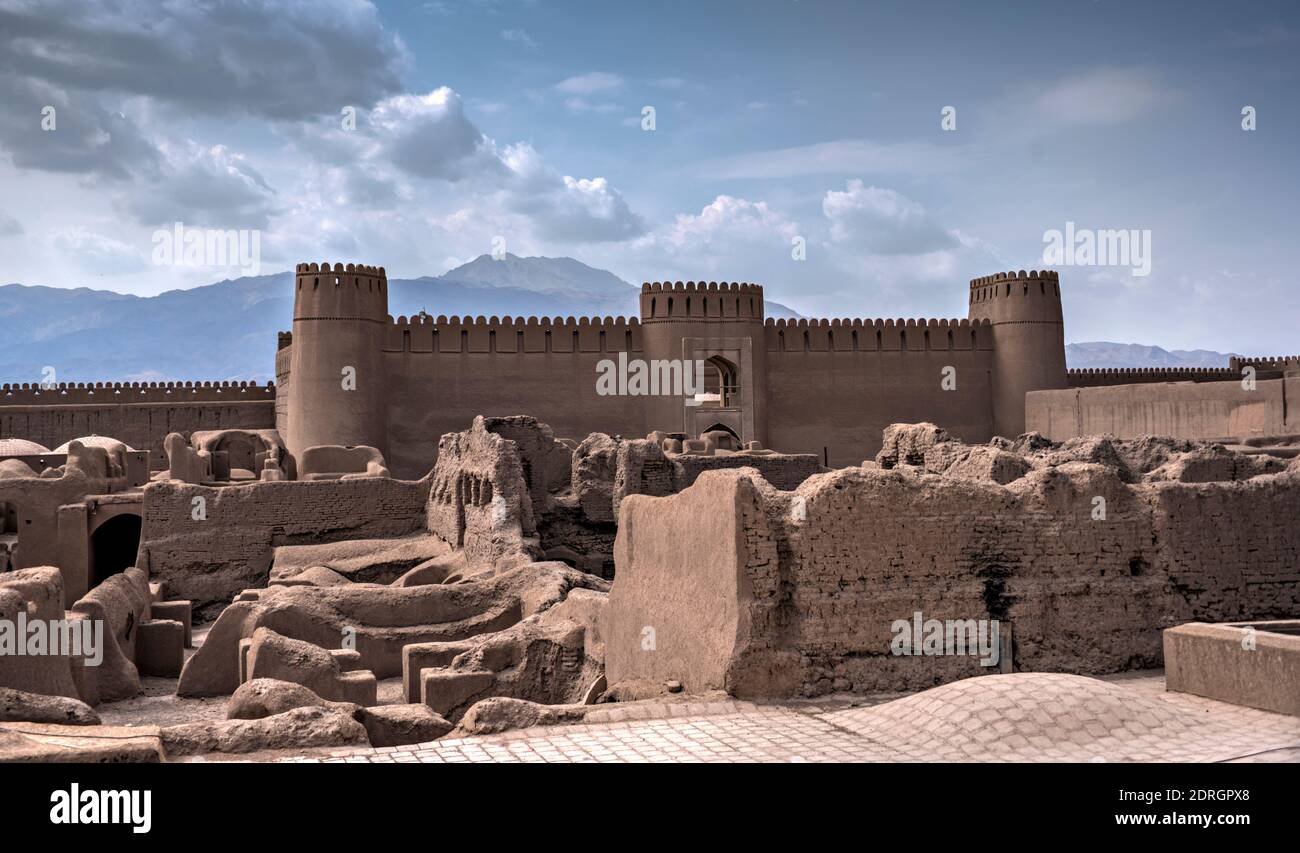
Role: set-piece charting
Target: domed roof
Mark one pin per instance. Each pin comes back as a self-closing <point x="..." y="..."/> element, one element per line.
<point x="21" y="447"/>
<point x="104" y="441"/>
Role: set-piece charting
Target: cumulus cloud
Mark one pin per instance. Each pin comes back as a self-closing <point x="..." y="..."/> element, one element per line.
<point x="411" y="139"/>
<point x="726" y="221"/>
<point x="562" y="207"/>
<point x="430" y="137"/>
<point x="729" y="238"/>
<point x="881" y="221"/>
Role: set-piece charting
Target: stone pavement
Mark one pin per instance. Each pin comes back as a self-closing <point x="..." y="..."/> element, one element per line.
<point x="1020" y="717"/>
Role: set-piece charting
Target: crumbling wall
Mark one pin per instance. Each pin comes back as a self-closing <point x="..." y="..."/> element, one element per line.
<point x="797" y="592"/>
<point x="480" y="499"/>
<point x="209" y="543"/>
<point x="783" y="470"/>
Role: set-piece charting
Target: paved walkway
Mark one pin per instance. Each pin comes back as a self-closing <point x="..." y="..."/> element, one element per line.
<point x="1020" y="717"/>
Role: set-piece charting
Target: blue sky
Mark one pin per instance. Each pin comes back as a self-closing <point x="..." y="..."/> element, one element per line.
<point x="774" y="121"/>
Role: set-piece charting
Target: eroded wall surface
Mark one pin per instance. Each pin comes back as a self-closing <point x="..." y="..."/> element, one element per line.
<point x="207" y="544"/>
<point x="743" y="587"/>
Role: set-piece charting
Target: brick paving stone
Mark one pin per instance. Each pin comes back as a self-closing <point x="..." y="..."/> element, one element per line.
<point x="1025" y="717"/>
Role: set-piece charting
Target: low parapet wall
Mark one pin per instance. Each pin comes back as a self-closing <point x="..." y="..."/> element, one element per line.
<point x="1204" y="410"/>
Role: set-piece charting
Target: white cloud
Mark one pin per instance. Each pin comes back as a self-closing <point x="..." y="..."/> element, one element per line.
<point x="589" y="84"/>
<point x="882" y="222"/>
<point x="95" y="252"/>
<point x="519" y="37"/>
<point x="210" y="187"/>
<point x="582" y="105"/>
<point x="730" y="239"/>
<point x="1102" y="96"/>
<point x="430" y="137"/>
<point x="561" y="207"/>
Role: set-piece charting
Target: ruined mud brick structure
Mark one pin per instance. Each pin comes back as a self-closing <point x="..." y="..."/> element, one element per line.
<point x="139" y="414"/>
<point x="764" y="592"/>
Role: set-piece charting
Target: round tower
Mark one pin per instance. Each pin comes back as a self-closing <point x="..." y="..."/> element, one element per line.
<point x="1024" y="310"/>
<point x="720" y="324"/>
<point x="336" y="377"/>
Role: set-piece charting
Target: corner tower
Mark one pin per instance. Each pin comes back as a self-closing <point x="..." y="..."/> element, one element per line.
<point x="1024" y="310"/>
<point x="337" y="387"/>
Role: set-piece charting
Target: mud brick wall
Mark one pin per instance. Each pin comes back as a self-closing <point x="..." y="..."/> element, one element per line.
<point x="783" y="470"/>
<point x="1231" y="548"/>
<point x="140" y="416"/>
<point x="820" y="574"/>
<point x="1178" y="409"/>
<point x="209" y="561"/>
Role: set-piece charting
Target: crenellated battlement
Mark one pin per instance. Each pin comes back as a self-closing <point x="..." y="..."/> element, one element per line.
<point x="63" y="393"/>
<point x="698" y="300"/>
<point x="494" y="321"/>
<point x="480" y="334"/>
<point x="340" y="292"/>
<point x="701" y="287"/>
<point x="350" y="269"/>
<point x="1010" y="284"/>
<point x="1272" y="362"/>
<point x="876" y="335"/>
<point x="1089" y="377"/>
<point x="1014" y="275"/>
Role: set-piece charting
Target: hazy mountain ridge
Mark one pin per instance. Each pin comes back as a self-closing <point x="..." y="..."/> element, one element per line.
<point x="1106" y="354"/>
<point x="226" y="330"/>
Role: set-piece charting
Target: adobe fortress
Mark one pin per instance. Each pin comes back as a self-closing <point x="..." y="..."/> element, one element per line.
<point x="826" y="387"/>
<point x="428" y="526"/>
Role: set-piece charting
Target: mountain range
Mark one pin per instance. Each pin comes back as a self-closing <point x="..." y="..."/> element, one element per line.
<point x="226" y="330"/>
<point x="1107" y="354"/>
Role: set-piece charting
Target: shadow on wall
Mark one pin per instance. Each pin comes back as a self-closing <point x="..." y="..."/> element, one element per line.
<point x="113" y="547"/>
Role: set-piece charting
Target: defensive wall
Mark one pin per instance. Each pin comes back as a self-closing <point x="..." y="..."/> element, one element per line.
<point x="825" y="387"/>
<point x="1217" y="410"/>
